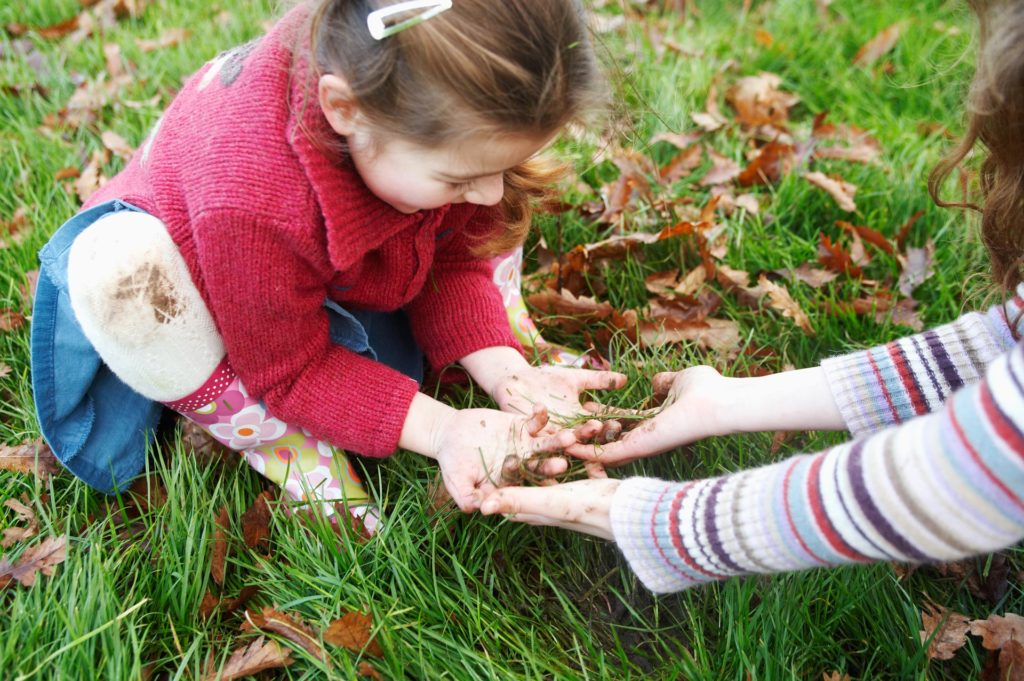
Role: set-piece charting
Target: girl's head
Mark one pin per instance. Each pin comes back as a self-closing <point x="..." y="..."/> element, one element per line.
<point x="450" y="110"/>
<point x="995" y="117"/>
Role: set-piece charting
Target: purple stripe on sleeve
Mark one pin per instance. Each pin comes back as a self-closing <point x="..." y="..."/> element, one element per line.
<point x="711" y="528"/>
<point x="949" y="372"/>
<point x="872" y="512"/>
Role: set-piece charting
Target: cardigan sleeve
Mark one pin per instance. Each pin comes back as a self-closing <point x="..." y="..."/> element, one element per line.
<point x="460" y="310"/>
<point x="939" y="487"/>
<point x="266" y="296"/>
<point x="914" y="375"/>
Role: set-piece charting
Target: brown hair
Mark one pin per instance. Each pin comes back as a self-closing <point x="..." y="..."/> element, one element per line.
<point x="501" y="67"/>
<point x="995" y="117"/>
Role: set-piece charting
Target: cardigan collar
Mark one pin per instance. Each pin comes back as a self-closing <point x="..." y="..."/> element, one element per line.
<point x="356" y="221"/>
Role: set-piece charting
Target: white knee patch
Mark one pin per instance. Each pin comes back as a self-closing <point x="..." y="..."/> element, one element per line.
<point x="134" y="298"/>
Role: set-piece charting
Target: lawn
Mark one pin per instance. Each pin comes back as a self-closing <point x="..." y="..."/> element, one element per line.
<point x="467" y="597"/>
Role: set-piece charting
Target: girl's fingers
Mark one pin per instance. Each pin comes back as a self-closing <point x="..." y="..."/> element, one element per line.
<point x="554" y="442"/>
<point x="661" y="384"/>
<point x="611" y="432"/>
<point x="599" y="409"/>
<point x="595" y="470"/>
<point x="588" y="430"/>
<point x="538" y="420"/>
<point x="599" y="380"/>
<point x="548" y="466"/>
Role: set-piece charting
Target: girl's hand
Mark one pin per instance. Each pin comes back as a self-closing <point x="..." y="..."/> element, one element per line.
<point x="480" y="450"/>
<point x="556" y="388"/>
<point x="692" y="410"/>
<point x="581" y="506"/>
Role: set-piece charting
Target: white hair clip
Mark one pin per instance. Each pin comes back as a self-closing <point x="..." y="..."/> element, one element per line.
<point x="378" y="29"/>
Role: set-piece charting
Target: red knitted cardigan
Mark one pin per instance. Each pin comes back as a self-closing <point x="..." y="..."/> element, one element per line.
<point x="270" y="226"/>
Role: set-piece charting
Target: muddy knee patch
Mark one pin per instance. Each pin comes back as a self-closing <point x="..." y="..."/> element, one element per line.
<point x="150" y="285"/>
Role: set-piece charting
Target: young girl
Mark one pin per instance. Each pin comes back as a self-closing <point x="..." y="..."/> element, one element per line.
<point x="937" y="469"/>
<point x="313" y="214"/>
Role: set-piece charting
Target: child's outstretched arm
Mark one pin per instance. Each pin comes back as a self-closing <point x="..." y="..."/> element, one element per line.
<point x="476" y="448"/>
<point x="699" y="402"/>
<point x="861" y="392"/>
<point x="938" y="487"/>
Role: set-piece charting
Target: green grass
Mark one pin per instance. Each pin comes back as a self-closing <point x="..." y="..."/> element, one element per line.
<point x="474" y="598"/>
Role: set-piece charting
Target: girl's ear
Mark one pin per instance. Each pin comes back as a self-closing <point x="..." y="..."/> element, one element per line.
<point x="338" y="103"/>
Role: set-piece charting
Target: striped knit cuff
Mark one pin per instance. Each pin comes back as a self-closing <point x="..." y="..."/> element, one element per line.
<point x="915" y="375"/>
<point x="636" y="526"/>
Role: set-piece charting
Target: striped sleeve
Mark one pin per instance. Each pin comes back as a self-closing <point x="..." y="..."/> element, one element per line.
<point x="938" y="487"/>
<point x="912" y="376"/>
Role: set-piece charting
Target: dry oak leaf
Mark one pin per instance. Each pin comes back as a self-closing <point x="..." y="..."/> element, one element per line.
<point x="916" y="267"/>
<point x="259" y="655"/>
<point x="998" y="629"/>
<point x="815" y="277"/>
<point x="839" y="189"/>
<point x="29" y="457"/>
<point x="946" y="629"/>
<point x="290" y="626"/>
<point x="873" y="49"/>
<point x="42" y="557"/>
<point x="1011" y="662"/>
<point x="723" y="170"/>
<point x="780" y="299"/>
<point x="219" y="553"/>
<point x="758" y="100"/>
<point x="24" y="514"/>
<point x="835" y="676"/>
<point x="775" y="160"/>
<point x="117" y="144"/>
<point x="368" y="670"/>
<point x="11" y="320"/>
<point x="256" y="520"/>
<point x="721" y="335"/>
<point x="354" y="631"/>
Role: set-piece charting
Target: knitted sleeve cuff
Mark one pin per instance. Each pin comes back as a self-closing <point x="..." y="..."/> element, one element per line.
<point x="639" y="519"/>
<point x="912" y="376"/>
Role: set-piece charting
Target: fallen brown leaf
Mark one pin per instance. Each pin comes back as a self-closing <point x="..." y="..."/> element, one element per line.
<point x="721" y="335"/>
<point x="117" y="144"/>
<point x="42" y="557"/>
<point x="11" y="320"/>
<point x="775" y="160"/>
<point x="91" y="177"/>
<point x="24" y="514"/>
<point x="837" y="188"/>
<point x="780" y="299"/>
<point x="354" y="631"/>
<point x="947" y="630"/>
<point x="256" y="521"/>
<point x="1011" y="662"/>
<point x="66" y="173"/>
<point x="292" y="627"/>
<point x="29" y="457"/>
<point x="259" y="655"/>
<point x="219" y="553"/>
<point x="996" y="630"/>
<point x="836" y="258"/>
<point x="4" y="370"/>
<point x="814" y="277"/>
<point x="916" y="266"/>
<point x="368" y="670"/>
<point x="682" y="164"/>
<point x="722" y="171"/>
<point x="758" y="101"/>
<point x="873" y="49"/>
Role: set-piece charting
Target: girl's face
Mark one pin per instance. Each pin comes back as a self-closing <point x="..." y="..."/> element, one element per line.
<point x="410" y="177"/>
